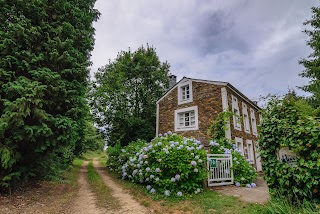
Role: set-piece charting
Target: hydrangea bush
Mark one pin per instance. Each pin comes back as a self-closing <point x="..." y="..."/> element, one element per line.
<point x="244" y="173"/>
<point x="169" y="165"/>
<point x="118" y="156"/>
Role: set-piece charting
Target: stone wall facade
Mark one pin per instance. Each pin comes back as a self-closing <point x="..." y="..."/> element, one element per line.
<point x="208" y="98"/>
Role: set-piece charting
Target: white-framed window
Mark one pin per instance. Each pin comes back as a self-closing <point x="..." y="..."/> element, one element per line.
<point x="186" y="119"/>
<point x="253" y="122"/>
<point x="250" y="151"/>
<point x="239" y="144"/>
<point x="185" y="92"/>
<point x="245" y="114"/>
<point x="236" y="117"/>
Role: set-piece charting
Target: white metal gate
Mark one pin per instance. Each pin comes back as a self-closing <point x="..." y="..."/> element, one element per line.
<point x="219" y="169"/>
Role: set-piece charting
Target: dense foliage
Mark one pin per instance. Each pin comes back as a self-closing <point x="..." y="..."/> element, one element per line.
<point x="311" y="63"/>
<point x="244" y="173"/>
<point x="45" y="48"/>
<point x="284" y="124"/>
<point x="170" y="164"/>
<point x="125" y="92"/>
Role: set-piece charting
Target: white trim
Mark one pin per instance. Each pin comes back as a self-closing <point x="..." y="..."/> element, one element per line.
<point x="246" y="123"/>
<point x="225" y="107"/>
<point x="253" y="122"/>
<point x="182" y="85"/>
<point x="239" y="141"/>
<point x="214" y="83"/>
<point x="235" y="106"/>
<point x="250" y="150"/>
<point x="176" y="119"/>
<point x="157" y="120"/>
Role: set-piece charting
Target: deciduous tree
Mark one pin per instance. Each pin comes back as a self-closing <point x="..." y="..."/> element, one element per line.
<point x="125" y="92"/>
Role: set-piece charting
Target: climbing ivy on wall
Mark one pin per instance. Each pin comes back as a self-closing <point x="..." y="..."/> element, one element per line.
<point x="284" y="125"/>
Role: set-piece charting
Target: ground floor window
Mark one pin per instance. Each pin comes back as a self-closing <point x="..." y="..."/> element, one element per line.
<point x="186" y="119"/>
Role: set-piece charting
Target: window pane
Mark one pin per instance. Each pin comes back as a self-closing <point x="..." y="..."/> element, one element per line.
<point x="187" y="124"/>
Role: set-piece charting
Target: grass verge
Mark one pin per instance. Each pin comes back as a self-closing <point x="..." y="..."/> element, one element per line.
<point x="90" y="155"/>
<point x="102" y="192"/>
<point x="282" y="205"/>
<point x="207" y="202"/>
<point x="71" y="175"/>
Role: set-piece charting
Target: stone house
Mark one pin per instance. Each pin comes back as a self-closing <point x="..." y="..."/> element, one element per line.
<point x="189" y="107"/>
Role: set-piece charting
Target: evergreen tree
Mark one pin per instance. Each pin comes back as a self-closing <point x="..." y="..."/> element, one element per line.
<point x="125" y="92"/>
<point x="312" y="63"/>
<point x="45" y="48"/>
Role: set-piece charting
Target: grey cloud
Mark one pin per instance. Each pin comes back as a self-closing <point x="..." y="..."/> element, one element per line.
<point x="254" y="45"/>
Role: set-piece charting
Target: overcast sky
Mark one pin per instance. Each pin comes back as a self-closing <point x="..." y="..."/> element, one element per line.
<point x="253" y="44"/>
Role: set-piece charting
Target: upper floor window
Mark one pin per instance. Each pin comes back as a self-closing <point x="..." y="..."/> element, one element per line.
<point x="236" y="117"/>
<point x="186" y="119"/>
<point x="185" y="92"/>
<point x="253" y="122"/>
<point x="245" y="118"/>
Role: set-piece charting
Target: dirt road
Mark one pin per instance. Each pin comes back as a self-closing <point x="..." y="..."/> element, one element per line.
<point x="54" y="198"/>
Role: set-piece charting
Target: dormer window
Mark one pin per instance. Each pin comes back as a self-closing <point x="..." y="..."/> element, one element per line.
<point x="185" y="92"/>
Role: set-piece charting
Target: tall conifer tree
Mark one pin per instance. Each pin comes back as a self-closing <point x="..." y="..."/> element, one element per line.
<point x="45" y="48"/>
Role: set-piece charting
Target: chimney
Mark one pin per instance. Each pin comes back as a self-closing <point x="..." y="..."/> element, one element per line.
<point x="172" y="80"/>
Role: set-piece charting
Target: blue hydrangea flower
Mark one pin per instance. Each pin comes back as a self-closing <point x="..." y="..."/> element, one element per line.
<point x="179" y="194"/>
<point x="177" y="177"/>
<point x="167" y="193"/>
<point x="157" y="170"/>
<point x="151" y="176"/>
<point x="169" y="132"/>
<point x="237" y="184"/>
<point x="193" y="163"/>
<point x="253" y="185"/>
<point x="248" y="185"/>
<point x="165" y="134"/>
<point x="196" y="157"/>
<point x="159" y="143"/>
<point x="173" y="179"/>
<point x="148" y="187"/>
<point x="152" y="191"/>
<point x="148" y="169"/>
<point x="160" y="135"/>
<point x="157" y="179"/>
<point x="196" y="170"/>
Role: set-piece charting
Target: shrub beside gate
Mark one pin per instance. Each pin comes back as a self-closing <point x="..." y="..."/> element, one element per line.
<point x="296" y="174"/>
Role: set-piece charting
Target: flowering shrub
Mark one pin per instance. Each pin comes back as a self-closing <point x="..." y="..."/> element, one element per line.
<point x="244" y="173"/>
<point x="118" y="156"/>
<point x="169" y="165"/>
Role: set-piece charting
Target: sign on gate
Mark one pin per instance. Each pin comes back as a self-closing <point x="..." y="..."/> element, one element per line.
<point x="213" y="163"/>
<point x="220" y="169"/>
